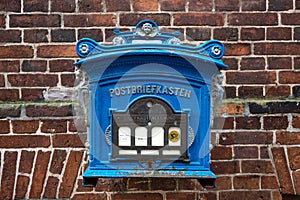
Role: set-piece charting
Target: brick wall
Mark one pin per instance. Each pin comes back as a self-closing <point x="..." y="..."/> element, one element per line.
<point x="257" y="152"/>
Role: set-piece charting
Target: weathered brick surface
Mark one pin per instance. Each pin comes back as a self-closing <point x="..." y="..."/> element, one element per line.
<point x="145" y="196"/>
<point x="257" y="137"/>
<point x="32" y="80"/>
<point x="173" y="5"/>
<point x="35" y="6"/>
<point x="269" y="182"/>
<point x="51" y="188"/>
<point x="25" y="126"/>
<point x="8" y="175"/>
<point x="26" y="161"/>
<point x="145" y="5"/>
<point x="22" y="187"/>
<point x="36" y="35"/>
<point x="58" y="159"/>
<point x="246" y="182"/>
<point x="28" y="141"/>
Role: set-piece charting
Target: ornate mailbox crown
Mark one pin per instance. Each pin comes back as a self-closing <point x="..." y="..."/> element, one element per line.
<point x="149" y="104"/>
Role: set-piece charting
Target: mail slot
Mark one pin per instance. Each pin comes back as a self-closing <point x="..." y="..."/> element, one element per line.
<point x="149" y="105"/>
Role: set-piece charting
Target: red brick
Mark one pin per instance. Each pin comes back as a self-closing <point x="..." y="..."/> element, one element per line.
<point x="33" y="80"/>
<point x="89" y="20"/>
<point x="34" y="66"/>
<point x="17" y="51"/>
<point x="276" y="48"/>
<point x="54" y="126"/>
<point x="70" y="174"/>
<point x="12" y="5"/>
<point x="223" y="183"/>
<point x="117" y="5"/>
<point x="181" y="195"/>
<point x="21" y="187"/>
<point x="269" y="182"/>
<point x="223" y="123"/>
<point x="9" y="95"/>
<point x="279" y="5"/>
<point x="250" y="5"/>
<point x="26" y="161"/>
<point x="279" y="33"/>
<point x="257" y="137"/>
<point x="237" y="49"/>
<point x="144" y="196"/>
<point x="58" y="159"/>
<point x="12" y="111"/>
<point x="289" y="77"/>
<point x="90" y="5"/>
<point x="48" y="111"/>
<point x="8" y="175"/>
<point x="228" y="34"/>
<point x="282" y="170"/>
<point x="35" y="5"/>
<point x="252" y="34"/>
<point x="4" y="124"/>
<point x="231" y="109"/>
<point x="95" y="34"/>
<point x="242" y="152"/>
<point x="63" y="35"/>
<point x="9" y="66"/>
<point x="275" y="122"/>
<point x="173" y="5"/>
<point x="51" y="188"/>
<point x="249" y="195"/>
<point x="257" y="166"/>
<point x="28" y="141"/>
<point x="67" y="80"/>
<point x="250" y="92"/>
<point x="225" y="167"/>
<point x="138" y="184"/>
<point x="67" y="140"/>
<point x="61" y="65"/>
<point x="198" y="33"/>
<point x="189" y="184"/>
<point x="203" y="5"/>
<point x="230" y="92"/>
<point x="296" y="121"/>
<point x="253" y="63"/>
<point x="89" y="196"/>
<point x="63" y="6"/>
<point x="297" y="4"/>
<point x="163" y="19"/>
<point x="198" y="19"/>
<point x="227" y="5"/>
<point x="264" y="152"/>
<point x="163" y="184"/>
<point x="277" y="91"/>
<point x="250" y="77"/>
<point x="279" y="63"/>
<point x="25" y="126"/>
<point x="256" y="19"/>
<point x="10" y="36"/>
<point x="247" y="122"/>
<point x="56" y="51"/>
<point x="40" y="171"/>
<point x="2" y="21"/>
<point x="32" y="94"/>
<point x="246" y="182"/>
<point x="294" y="157"/>
<point x="2" y="81"/>
<point x="296" y="177"/>
<point x="221" y="153"/>
<point x="36" y="35"/>
<point x="34" y="20"/>
<point x="145" y="5"/>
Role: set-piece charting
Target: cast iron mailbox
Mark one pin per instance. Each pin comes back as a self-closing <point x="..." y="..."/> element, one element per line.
<point x="150" y="105"/>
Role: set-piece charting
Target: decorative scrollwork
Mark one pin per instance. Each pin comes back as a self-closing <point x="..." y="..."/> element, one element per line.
<point x="107" y="135"/>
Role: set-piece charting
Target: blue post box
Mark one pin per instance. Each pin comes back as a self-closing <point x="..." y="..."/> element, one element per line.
<point x="150" y="105"/>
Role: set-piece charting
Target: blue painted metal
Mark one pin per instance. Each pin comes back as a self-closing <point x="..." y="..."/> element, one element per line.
<point x="149" y="59"/>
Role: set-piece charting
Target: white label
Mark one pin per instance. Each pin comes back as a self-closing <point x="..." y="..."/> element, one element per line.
<point x="141" y="136"/>
<point x="149" y="152"/>
<point x="174" y="139"/>
<point x="127" y="152"/>
<point x="171" y="152"/>
<point x="157" y="134"/>
<point x="124" y="136"/>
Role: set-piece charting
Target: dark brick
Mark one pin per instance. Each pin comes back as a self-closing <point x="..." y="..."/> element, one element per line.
<point x="253" y="63"/>
<point x="81" y="188"/>
<point x="269" y="182"/>
<point x="145" y="5"/>
<point x="223" y="123"/>
<point x="287" y="138"/>
<point x="144" y="196"/>
<point x="250" y="77"/>
<point x="112" y="184"/>
<point x="90" y="5"/>
<point x="297" y="4"/>
<point x="257" y="166"/>
<point x="70" y="174"/>
<point x="95" y="34"/>
<point x="117" y="5"/>
<point x="40" y="171"/>
<point x="221" y="153"/>
<point x="36" y="35"/>
<point x="54" y="126"/>
<point x="63" y="6"/>
<point x="296" y="121"/>
<point x="189" y="184"/>
<point x="297" y="62"/>
<point x="67" y="140"/>
<point x="181" y="195"/>
<point x="2" y="21"/>
<point x="246" y="182"/>
<point x="35" y="5"/>
<point x="34" y="66"/>
<point x="277" y="91"/>
<point x="250" y="5"/>
<point x="4" y="124"/>
<point x="227" y="5"/>
<point x="9" y="95"/>
<point x="264" y="153"/>
<point x="294" y="157"/>
<point x="279" y="33"/>
<point x="249" y="195"/>
<point x="9" y="66"/>
<point x="26" y="161"/>
<point x="296" y="91"/>
<point x="163" y="184"/>
<point x="247" y="122"/>
<point x="18" y="51"/>
<point x="230" y="92"/>
<point x="10" y="36"/>
<point x="89" y="196"/>
<point x="231" y="62"/>
<point x="22" y="187"/>
<point x="63" y="35"/>
<point x="290" y="18"/>
<point x="237" y="49"/>
<point x="109" y="34"/>
<point x="252" y="34"/>
<point x="25" y="126"/>
<point x="163" y="19"/>
<point x="2" y="81"/>
<point x="279" y="5"/>
<point x="255" y="19"/>
<point x="289" y="77"/>
<point x="274" y="107"/>
<point x="33" y="80"/>
<point x="198" y="19"/>
<point x="223" y="183"/>
<point x="49" y="111"/>
<point x="63" y="65"/>
<point x="138" y="184"/>
<point x="275" y="122"/>
<point x="34" y="20"/>
<point x="257" y="137"/>
<point x="67" y="80"/>
<point x="56" y="51"/>
<point x="203" y="5"/>
<point x="228" y="34"/>
<point x="32" y="94"/>
<point x="51" y="188"/>
<point x="225" y="167"/>
<point x="89" y="20"/>
<point x="58" y="159"/>
<point x="198" y="33"/>
<point x="10" y="6"/>
<point x="8" y="175"/>
<point x="297" y="33"/>
<point x="279" y="63"/>
<point x="250" y="92"/>
<point x="282" y="170"/>
<point x="245" y="152"/>
<point x="10" y="111"/>
<point x="173" y="5"/>
<point x="28" y="141"/>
